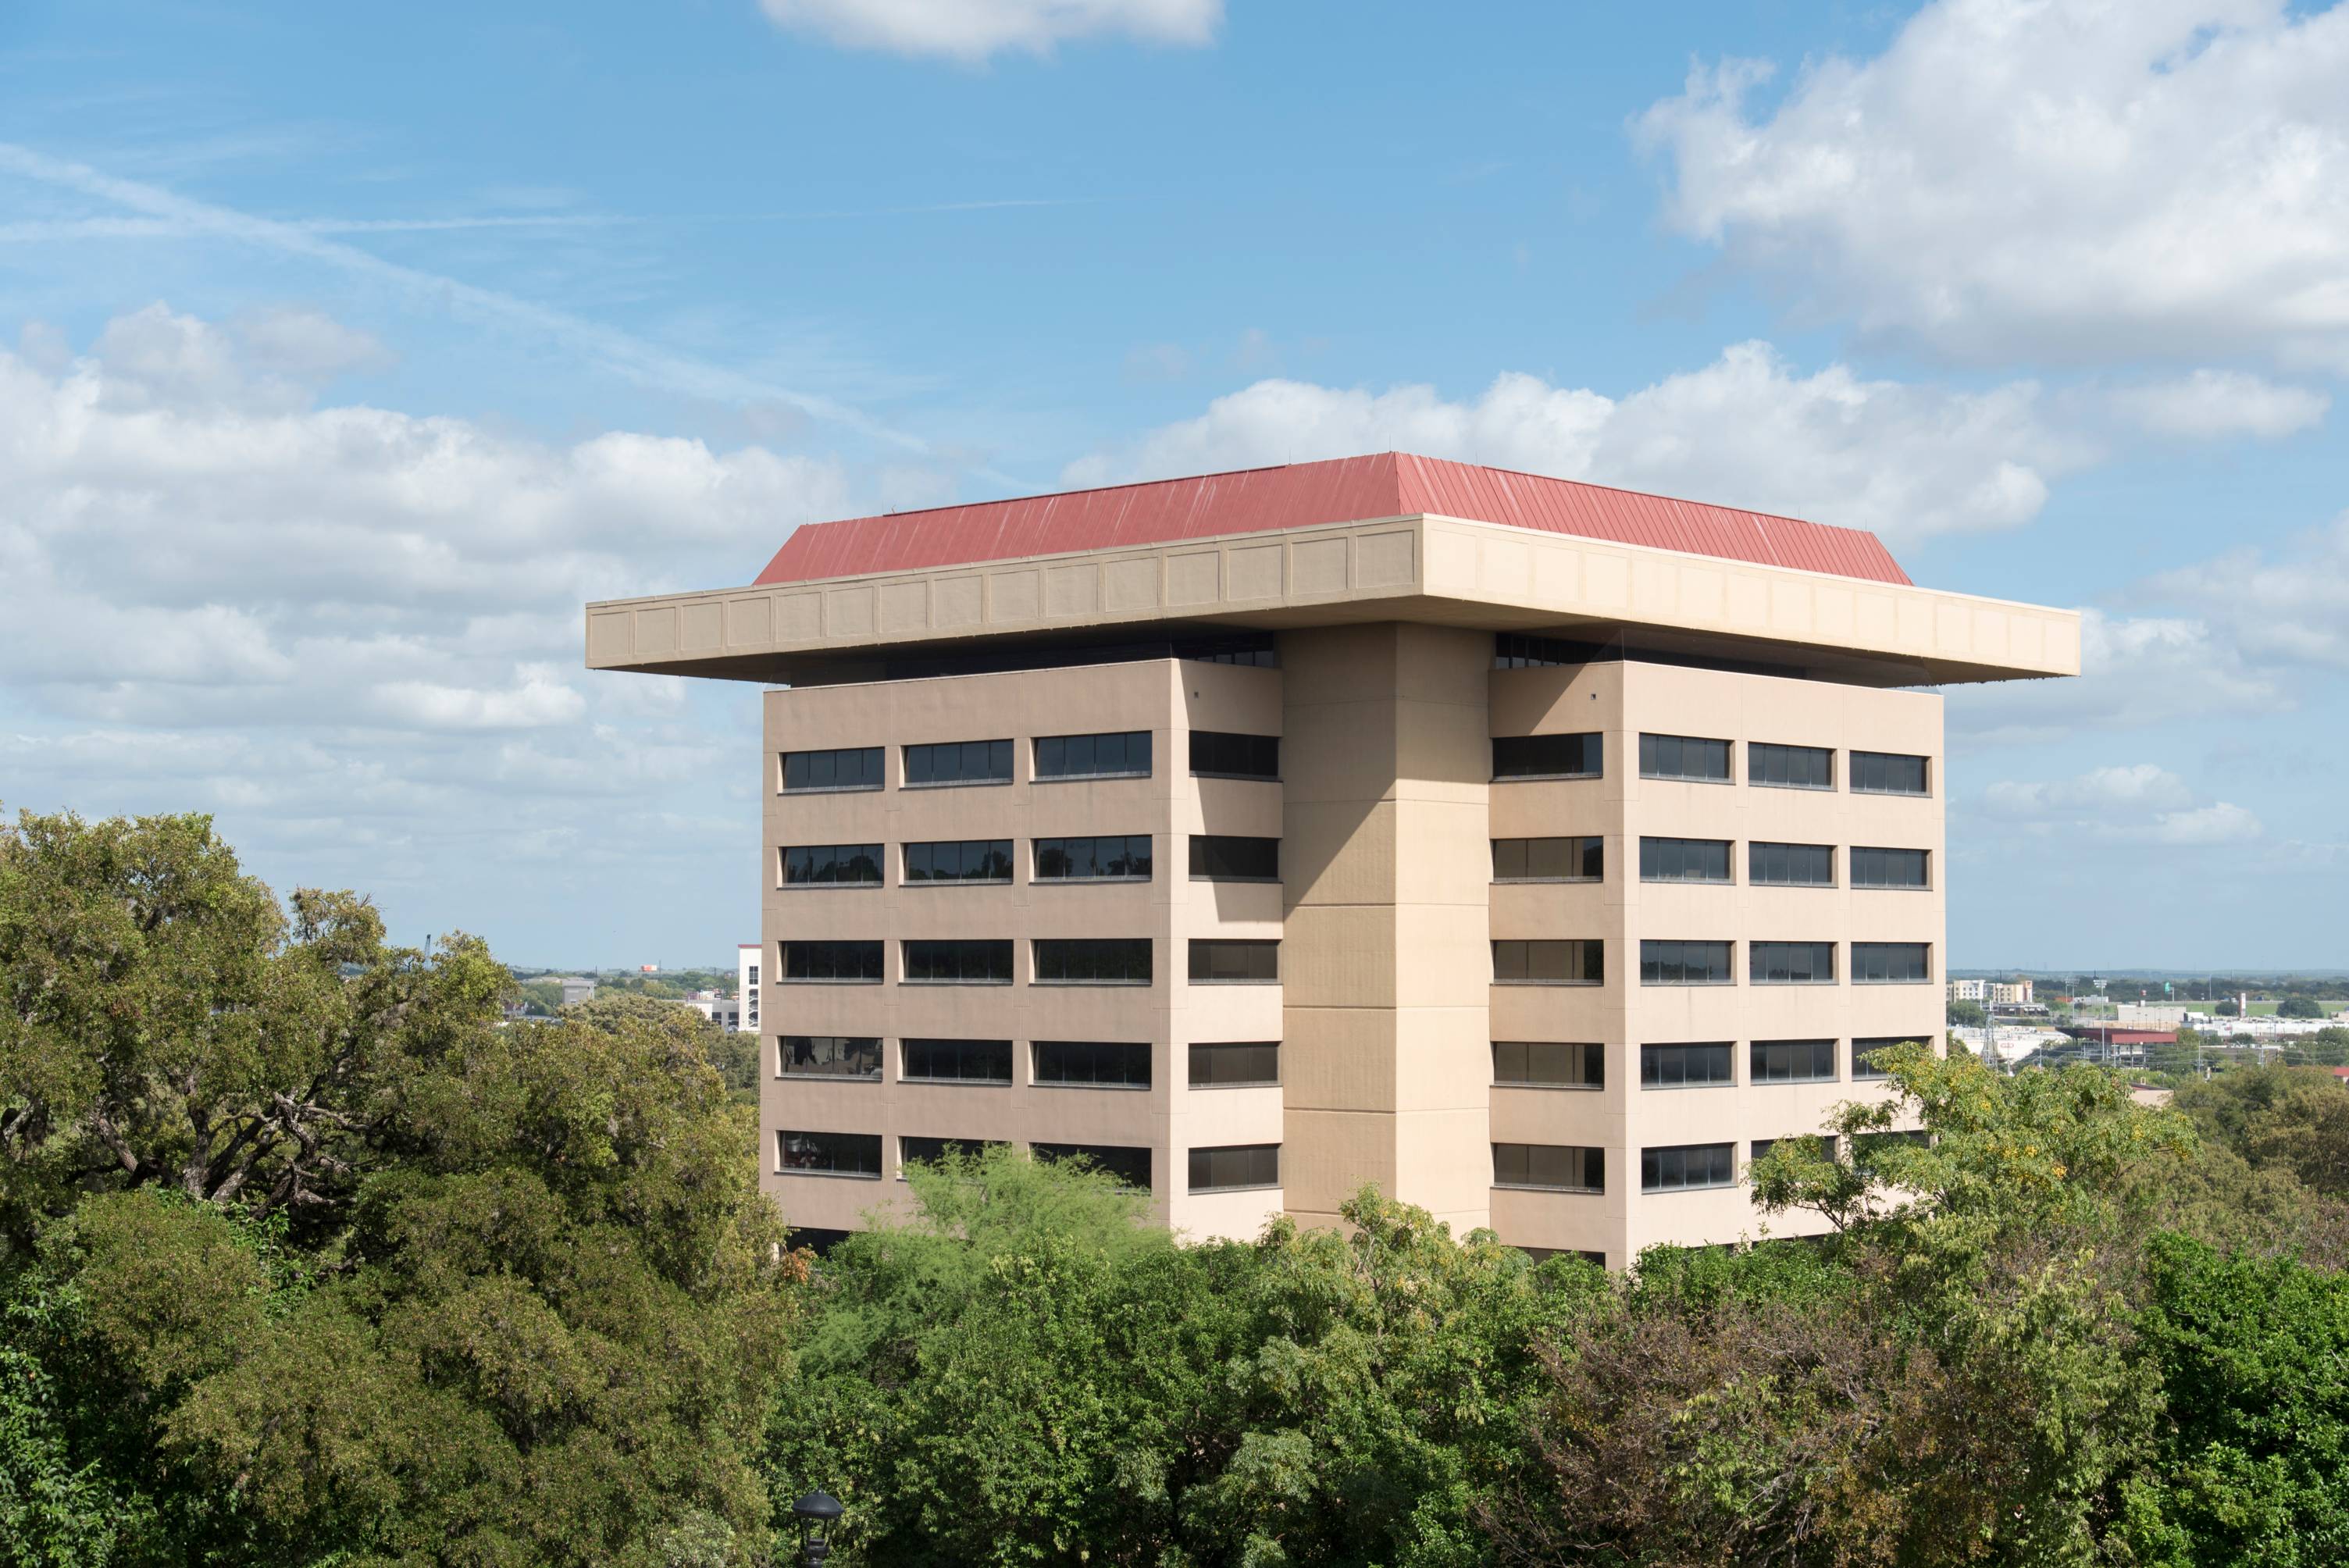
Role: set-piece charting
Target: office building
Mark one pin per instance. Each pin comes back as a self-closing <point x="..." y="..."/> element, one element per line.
<point x="746" y="984"/>
<point x="1535" y="850"/>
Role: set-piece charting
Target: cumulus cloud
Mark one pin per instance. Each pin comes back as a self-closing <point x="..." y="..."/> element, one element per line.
<point x="306" y="344"/>
<point x="2289" y="606"/>
<point x="2139" y="802"/>
<point x="2026" y="179"/>
<point x="972" y="30"/>
<point x="2136" y="671"/>
<point x="1908" y="461"/>
<point x="2212" y="404"/>
<point x="352" y="630"/>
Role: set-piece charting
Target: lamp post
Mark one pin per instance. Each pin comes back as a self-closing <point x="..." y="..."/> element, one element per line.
<point x="814" y="1512"/>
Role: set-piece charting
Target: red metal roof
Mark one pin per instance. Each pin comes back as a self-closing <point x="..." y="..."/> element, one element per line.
<point x="1345" y="489"/>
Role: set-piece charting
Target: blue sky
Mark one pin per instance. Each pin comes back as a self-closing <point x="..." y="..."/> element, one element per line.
<point x="344" y="351"/>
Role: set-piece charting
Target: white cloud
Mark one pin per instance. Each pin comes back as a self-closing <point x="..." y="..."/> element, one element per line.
<point x="2139" y="786"/>
<point x="2289" y="607"/>
<point x="352" y="632"/>
<point x="537" y="698"/>
<point x="2139" y="802"/>
<point x="2107" y="180"/>
<point x="2134" y="671"/>
<point x="971" y="30"/>
<point x="306" y="344"/>
<point x="2212" y="404"/>
<point x="1907" y="461"/>
<point x="2218" y="823"/>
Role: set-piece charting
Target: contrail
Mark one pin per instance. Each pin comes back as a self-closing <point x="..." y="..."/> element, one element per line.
<point x="622" y="352"/>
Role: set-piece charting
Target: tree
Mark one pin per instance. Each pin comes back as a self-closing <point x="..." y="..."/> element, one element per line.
<point x="309" y="1259"/>
<point x="2295" y="1119"/>
<point x="1019" y="1370"/>
<point x="2254" y="1455"/>
<point x="2299" y="1007"/>
<point x="1965" y="1014"/>
<point x="1956" y="1388"/>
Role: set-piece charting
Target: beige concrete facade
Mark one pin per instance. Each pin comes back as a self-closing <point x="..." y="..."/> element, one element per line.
<point x="1382" y="685"/>
<point x="1387" y="1004"/>
<point x="1166" y="697"/>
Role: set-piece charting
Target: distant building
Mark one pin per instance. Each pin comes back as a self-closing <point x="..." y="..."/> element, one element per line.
<point x="746" y="984"/>
<point x="647" y="968"/>
<point x="726" y="1012"/>
<point x="1969" y="990"/>
<point x="575" y="989"/>
<point x="2015" y="995"/>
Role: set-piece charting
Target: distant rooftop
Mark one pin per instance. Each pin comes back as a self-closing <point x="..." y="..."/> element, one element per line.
<point x="1298" y="495"/>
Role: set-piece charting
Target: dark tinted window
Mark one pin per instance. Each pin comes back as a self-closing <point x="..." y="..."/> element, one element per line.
<point x="1887" y="773"/>
<point x="1235" y="1166"/>
<point x="1890" y="962"/>
<point x="1119" y="754"/>
<point x="1791" y="1061"/>
<point x="959" y="859"/>
<point x="829" y="1153"/>
<point x="1684" y="756"/>
<point x="1790" y="865"/>
<point x="1684" y="859"/>
<point x="1235" y="961"/>
<point x="1516" y="651"/>
<point x="832" y="863"/>
<point x="1685" y="964"/>
<point x="1682" y="1165"/>
<point x="1578" y="961"/>
<point x="1791" y="963"/>
<point x="1551" y="1064"/>
<point x="959" y="762"/>
<point x="1257" y="652"/>
<point x="1789" y="766"/>
<point x="1092" y="961"/>
<point x="834" y="961"/>
<point x="1131" y="1167"/>
<point x="1547" y="755"/>
<point x="1686" y="1067"/>
<point x="1548" y="860"/>
<point x="829" y="1056"/>
<point x="955" y="1061"/>
<point x="1563" y="1166"/>
<point x="1217" y="857"/>
<point x="981" y="962"/>
<point x="1864" y="1050"/>
<point x="1118" y="856"/>
<point x="926" y="1151"/>
<point x="1889" y="868"/>
<point x="1219" y="753"/>
<point x="857" y="768"/>
<point x="1224" y="1064"/>
<point x="1822" y="1144"/>
<point x="1120" y="1064"/>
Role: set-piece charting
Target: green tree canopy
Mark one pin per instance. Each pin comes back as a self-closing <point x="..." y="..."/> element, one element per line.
<point x="309" y="1259"/>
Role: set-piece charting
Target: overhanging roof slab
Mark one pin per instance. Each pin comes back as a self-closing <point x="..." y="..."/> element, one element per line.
<point x="1427" y="567"/>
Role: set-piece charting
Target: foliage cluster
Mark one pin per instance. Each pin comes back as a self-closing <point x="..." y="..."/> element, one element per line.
<point x="305" y="1259"/>
<point x="308" y="1258"/>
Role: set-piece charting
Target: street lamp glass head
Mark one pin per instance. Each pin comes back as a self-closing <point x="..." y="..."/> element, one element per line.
<point x="818" y="1505"/>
